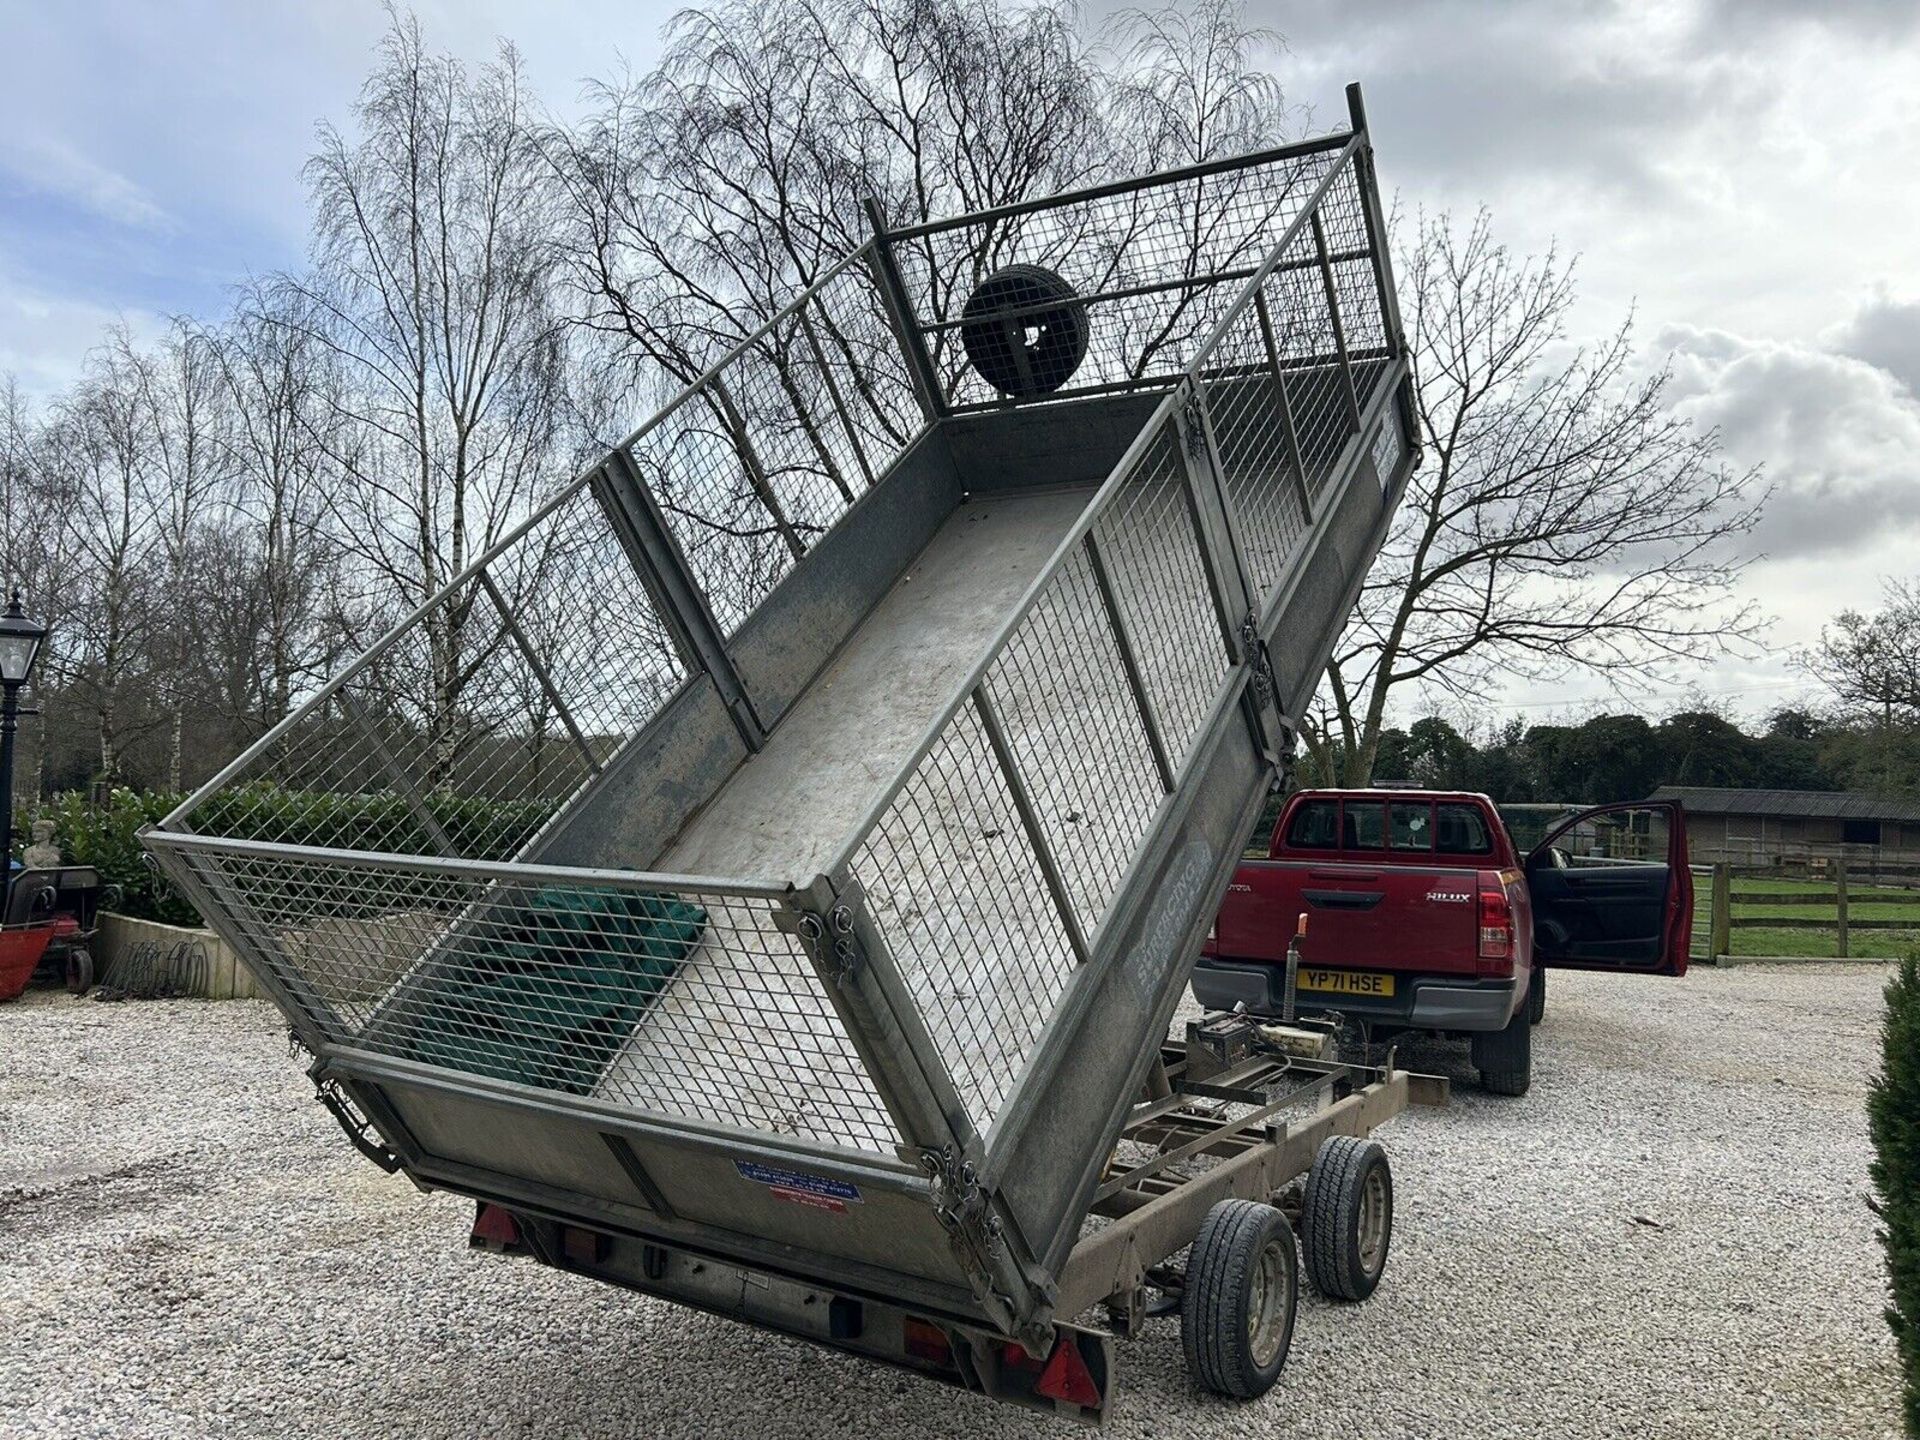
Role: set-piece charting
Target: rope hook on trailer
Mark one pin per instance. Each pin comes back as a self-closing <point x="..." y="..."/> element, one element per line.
<point x="359" y="1130"/>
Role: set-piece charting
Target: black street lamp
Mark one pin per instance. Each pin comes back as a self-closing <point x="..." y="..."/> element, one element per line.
<point x="19" y="647"/>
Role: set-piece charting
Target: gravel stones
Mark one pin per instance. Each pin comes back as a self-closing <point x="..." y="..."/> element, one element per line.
<point x="188" y="1247"/>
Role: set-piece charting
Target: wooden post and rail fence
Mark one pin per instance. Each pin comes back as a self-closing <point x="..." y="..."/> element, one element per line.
<point x="1714" y="920"/>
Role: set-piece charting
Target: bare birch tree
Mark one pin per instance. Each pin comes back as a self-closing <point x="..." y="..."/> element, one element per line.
<point x="182" y="467"/>
<point x="1565" y="518"/>
<point x="95" y="452"/>
<point x="433" y="290"/>
<point x="283" y="387"/>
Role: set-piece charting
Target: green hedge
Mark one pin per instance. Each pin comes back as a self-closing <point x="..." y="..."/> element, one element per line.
<point x="107" y="837"/>
<point x="1893" y="1117"/>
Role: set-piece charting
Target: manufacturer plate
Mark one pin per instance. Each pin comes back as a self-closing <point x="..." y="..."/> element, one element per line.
<point x="796" y="1187"/>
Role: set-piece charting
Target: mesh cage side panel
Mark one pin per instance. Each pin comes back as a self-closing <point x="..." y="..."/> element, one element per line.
<point x="1154" y="268"/>
<point x="475" y="726"/>
<point x="1074" y="731"/>
<point x="467" y="732"/>
<point x="775" y="447"/>
<point x="1160" y="579"/>
<point x="957" y="891"/>
<point x="1264" y="490"/>
<point x="670" y="1003"/>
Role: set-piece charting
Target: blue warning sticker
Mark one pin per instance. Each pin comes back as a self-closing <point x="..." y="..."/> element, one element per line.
<point x="818" y="1192"/>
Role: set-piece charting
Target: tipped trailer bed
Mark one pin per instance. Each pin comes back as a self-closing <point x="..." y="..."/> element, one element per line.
<point x="767" y="875"/>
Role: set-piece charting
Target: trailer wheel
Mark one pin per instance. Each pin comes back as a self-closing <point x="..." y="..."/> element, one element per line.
<point x="79" y="971"/>
<point x="1346" y="1217"/>
<point x="1504" y="1058"/>
<point x="1537" y="996"/>
<point x="1243" y="1287"/>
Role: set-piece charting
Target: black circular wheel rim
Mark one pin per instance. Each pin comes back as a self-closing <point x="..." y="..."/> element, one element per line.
<point x="1025" y="330"/>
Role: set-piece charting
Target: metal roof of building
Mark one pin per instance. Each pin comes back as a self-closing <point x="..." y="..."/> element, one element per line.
<point x="1821" y="804"/>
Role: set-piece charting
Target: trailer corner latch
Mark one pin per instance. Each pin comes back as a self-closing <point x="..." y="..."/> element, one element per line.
<point x="1255" y="651"/>
<point x="1194" y="425"/>
<point x="832" y="943"/>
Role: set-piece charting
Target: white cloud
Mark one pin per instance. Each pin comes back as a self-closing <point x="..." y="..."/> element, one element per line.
<point x="45" y="337"/>
<point x="1838" y="437"/>
<point x="55" y="167"/>
<point x="1885" y="332"/>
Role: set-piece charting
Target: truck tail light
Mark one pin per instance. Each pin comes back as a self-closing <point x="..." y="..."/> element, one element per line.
<point x="1496" y="928"/>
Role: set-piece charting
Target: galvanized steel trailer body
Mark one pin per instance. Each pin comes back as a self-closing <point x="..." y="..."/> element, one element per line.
<point x="835" y="783"/>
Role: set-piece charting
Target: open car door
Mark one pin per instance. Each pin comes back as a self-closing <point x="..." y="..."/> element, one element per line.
<point x="1611" y="891"/>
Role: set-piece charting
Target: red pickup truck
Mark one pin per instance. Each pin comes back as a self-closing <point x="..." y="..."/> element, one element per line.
<point x="1422" y="915"/>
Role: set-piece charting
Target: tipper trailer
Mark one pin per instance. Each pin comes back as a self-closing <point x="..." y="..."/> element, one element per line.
<point x="767" y="876"/>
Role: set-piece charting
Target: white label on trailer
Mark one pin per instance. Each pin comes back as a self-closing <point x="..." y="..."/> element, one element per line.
<point x="1386" y="449"/>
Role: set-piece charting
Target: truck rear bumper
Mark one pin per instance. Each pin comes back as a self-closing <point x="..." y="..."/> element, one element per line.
<point x="1420" y="1002"/>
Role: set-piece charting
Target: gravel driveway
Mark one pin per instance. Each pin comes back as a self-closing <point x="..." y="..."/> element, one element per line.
<point x="1667" y="1238"/>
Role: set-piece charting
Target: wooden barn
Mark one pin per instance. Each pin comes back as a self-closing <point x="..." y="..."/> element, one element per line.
<point x="1799" y="829"/>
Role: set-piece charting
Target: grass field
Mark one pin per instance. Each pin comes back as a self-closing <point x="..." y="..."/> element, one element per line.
<point x="1861" y="944"/>
<point x="1743" y="889"/>
<point x="1864" y="902"/>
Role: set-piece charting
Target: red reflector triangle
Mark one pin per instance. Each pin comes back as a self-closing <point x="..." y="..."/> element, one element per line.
<point x="494" y="1226"/>
<point x="1067" y="1377"/>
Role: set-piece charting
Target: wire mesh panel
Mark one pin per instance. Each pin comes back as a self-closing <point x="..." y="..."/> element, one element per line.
<point x="1153" y="266"/>
<point x="1253" y="413"/>
<point x="1075" y="736"/>
<point x="998" y="861"/>
<point x="1159" y="577"/>
<point x="674" y="1002"/>
<point x="955" y="886"/>
<point x="771" y="449"/>
<point x="468" y="730"/>
<point x="993" y="868"/>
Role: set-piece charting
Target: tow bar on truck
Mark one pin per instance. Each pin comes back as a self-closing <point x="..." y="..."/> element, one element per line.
<point x="789" y="918"/>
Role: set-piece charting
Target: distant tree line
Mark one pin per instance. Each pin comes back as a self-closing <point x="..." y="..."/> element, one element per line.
<point x="1626" y="756"/>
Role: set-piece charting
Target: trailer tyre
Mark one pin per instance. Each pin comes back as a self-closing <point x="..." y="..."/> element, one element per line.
<point x="1537" y="996"/>
<point x="1504" y="1058"/>
<point x="1243" y="1288"/>
<point x="1025" y="330"/>
<point x="79" y="971"/>
<point x="1346" y="1217"/>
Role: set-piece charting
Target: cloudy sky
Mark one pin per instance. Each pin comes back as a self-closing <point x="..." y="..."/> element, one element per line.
<point x="1739" y="173"/>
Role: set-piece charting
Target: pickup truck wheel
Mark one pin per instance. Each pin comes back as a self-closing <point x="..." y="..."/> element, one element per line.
<point x="1537" y="996"/>
<point x="1243" y="1288"/>
<point x="1504" y="1058"/>
<point x="1346" y="1217"/>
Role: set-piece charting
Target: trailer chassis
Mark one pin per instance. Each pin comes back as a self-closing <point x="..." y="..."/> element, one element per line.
<point x="1234" y="1110"/>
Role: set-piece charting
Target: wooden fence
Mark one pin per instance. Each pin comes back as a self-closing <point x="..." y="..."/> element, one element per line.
<point x="1714" y="920"/>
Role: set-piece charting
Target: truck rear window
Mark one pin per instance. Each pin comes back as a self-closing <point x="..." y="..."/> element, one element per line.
<point x="1461" y="830"/>
<point x="1417" y="826"/>
<point x="1410" y="825"/>
<point x="1316" y="826"/>
<point x="1365" y="827"/>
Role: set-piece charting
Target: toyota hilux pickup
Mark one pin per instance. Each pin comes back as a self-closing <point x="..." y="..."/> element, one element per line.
<point x="1421" y="915"/>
